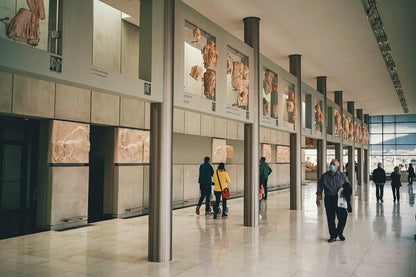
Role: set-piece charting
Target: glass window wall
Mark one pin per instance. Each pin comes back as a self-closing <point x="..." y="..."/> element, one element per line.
<point x="392" y="141"/>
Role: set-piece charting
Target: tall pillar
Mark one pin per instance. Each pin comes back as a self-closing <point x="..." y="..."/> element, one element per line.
<point x="251" y="131"/>
<point x="360" y="152"/>
<point x="158" y="17"/>
<point x="295" y="140"/>
<point x="339" y="146"/>
<point x="321" y="145"/>
<point x="366" y="156"/>
<point x="351" y="149"/>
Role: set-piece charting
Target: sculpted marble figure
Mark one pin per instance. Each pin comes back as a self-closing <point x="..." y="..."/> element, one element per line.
<point x="209" y="84"/>
<point x="24" y="26"/>
<point x="237" y="76"/>
<point x="351" y="129"/>
<point x="357" y="132"/>
<point x="319" y="116"/>
<point x="210" y="56"/>
<point x="69" y="142"/>
<point x="337" y="123"/>
<point x="346" y="126"/>
<point x="365" y="135"/>
<point x="267" y="82"/>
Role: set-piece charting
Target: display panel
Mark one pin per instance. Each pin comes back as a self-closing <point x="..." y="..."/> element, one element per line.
<point x="30" y="22"/>
<point x="290" y="109"/>
<point x="201" y="56"/>
<point x="116" y="35"/>
<point x="270" y="93"/>
<point x="219" y="150"/>
<point x="237" y="79"/>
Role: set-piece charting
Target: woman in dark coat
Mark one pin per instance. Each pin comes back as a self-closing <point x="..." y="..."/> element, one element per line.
<point x="411" y="175"/>
<point x="395" y="183"/>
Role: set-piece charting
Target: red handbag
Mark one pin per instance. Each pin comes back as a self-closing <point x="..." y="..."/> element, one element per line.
<point x="225" y="193"/>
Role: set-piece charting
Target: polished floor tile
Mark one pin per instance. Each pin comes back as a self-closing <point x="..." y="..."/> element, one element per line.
<point x="380" y="242"/>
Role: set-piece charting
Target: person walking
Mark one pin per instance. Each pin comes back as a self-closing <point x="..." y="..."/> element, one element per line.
<point x="331" y="182"/>
<point x="221" y="181"/>
<point x="396" y="184"/>
<point x="264" y="171"/>
<point x="379" y="178"/>
<point x="411" y="174"/>
<point x="205" y="181"/>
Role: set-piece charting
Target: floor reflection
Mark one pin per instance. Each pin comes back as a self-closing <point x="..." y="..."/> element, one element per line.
<point x="287" y="243"/>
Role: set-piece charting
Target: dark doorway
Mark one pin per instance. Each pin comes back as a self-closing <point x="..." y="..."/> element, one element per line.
<point x="19" y="145"/>
<point x="101" y="162"/>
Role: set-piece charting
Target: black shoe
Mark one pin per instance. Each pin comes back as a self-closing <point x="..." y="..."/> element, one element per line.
<point x="377" y="200"/>
<point x="381" y="200"/>
<point x="341" y="237"/>
<point x="215" y="216"/>
<point x="224" y="215"/>
<point x="332" y="239"/>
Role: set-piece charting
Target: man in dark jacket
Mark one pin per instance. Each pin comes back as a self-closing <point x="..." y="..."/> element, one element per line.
<point x="331" y="182"/>
<point x="265" y="171"/>
<point x="379" y="178"/>
<point x="205" y="181"/>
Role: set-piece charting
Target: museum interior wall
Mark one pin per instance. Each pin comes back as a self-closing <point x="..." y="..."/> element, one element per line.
<point x="93" y="109"/>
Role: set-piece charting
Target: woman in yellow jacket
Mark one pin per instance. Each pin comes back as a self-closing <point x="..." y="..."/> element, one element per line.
<point x="222" y="174"/>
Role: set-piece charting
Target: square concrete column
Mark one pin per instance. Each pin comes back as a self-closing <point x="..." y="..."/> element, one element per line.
<point x="156" y="65"/>
<point x="351" y="149"/>
<point x="360" y="154"/>
<point x="322" y="143"/>
<point x="339" y="146"/>
<point x="295" y="141"/>
<point x="251" y="131"/>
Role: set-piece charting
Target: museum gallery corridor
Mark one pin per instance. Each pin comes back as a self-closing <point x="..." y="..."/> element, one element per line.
<point x="379" y="242"/>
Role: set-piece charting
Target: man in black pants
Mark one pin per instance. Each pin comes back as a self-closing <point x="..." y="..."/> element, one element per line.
<point x="379" y="178"/>
<point x="205" y="181"/>
<point x="331" y="182"/>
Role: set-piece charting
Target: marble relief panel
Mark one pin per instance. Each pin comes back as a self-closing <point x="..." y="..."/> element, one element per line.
<point x="219" y="150"/>
<point x="266" y="151"/>
<point x="131" y="146"/>
<point x="282" y="154"/>
<point x="69" y="142"/>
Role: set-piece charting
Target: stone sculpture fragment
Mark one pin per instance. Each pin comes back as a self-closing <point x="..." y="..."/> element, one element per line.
<point x="196" y="73"/>
<point x="210" y="56"/>
<point x="24" y="26"/>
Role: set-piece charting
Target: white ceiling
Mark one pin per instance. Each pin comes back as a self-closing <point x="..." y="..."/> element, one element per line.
<point x="335" y="40"/>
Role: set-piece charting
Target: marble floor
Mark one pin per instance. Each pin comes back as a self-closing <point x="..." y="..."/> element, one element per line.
<point x="379" y="242"/>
